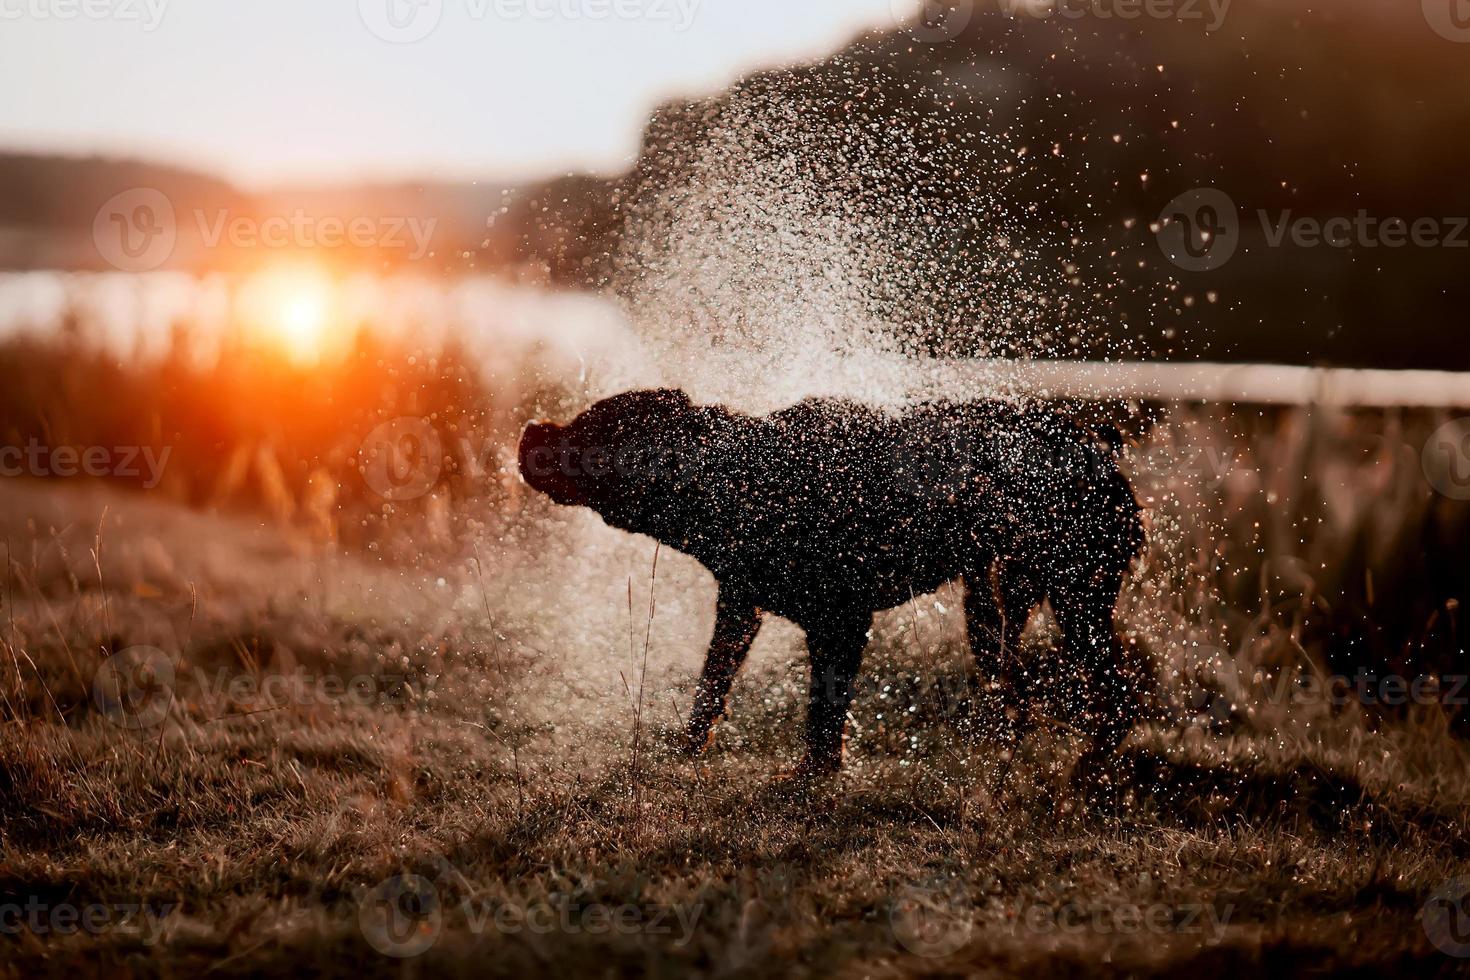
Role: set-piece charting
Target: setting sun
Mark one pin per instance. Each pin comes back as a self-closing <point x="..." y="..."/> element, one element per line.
<point x="291" y="310"/>
<point x="302" y="321"/>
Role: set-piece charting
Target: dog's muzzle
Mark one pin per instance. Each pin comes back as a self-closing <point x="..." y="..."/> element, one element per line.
<point x="543" y="459"/>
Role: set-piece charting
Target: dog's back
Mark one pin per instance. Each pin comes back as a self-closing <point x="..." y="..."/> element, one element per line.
<point x="837" y="501"/>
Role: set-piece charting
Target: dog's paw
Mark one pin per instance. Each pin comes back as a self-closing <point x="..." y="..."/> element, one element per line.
<point x="801" y="785"/>
<point x="809" y="774"/>
<point x="691" y="744"/>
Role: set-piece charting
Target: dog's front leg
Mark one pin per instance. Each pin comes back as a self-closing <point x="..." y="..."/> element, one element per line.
<point x="736" y="623"/>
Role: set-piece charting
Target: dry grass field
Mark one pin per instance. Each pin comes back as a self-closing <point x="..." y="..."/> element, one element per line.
<point x="239" y="748"/>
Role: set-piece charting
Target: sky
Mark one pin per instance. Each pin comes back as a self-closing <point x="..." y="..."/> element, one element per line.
<point x="267" y="92"/>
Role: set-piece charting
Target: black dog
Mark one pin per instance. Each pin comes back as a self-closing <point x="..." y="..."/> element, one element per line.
<point x="828" y="511"/>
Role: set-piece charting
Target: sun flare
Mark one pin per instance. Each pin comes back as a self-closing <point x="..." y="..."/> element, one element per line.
<point x="302" y="321"/>
<point x="291" y="310"/>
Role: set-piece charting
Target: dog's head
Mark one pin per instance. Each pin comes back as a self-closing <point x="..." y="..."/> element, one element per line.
<point x="621" y="457"/>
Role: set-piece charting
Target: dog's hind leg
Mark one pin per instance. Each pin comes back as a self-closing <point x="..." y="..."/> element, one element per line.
<point x="1111" y="707"/>
<point x="836" y="655"/>
<point x="998" y="604"/>
<point x="1020" y="593"/>
<point x="736" y="623"/>
<point x="984" y="624"/>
